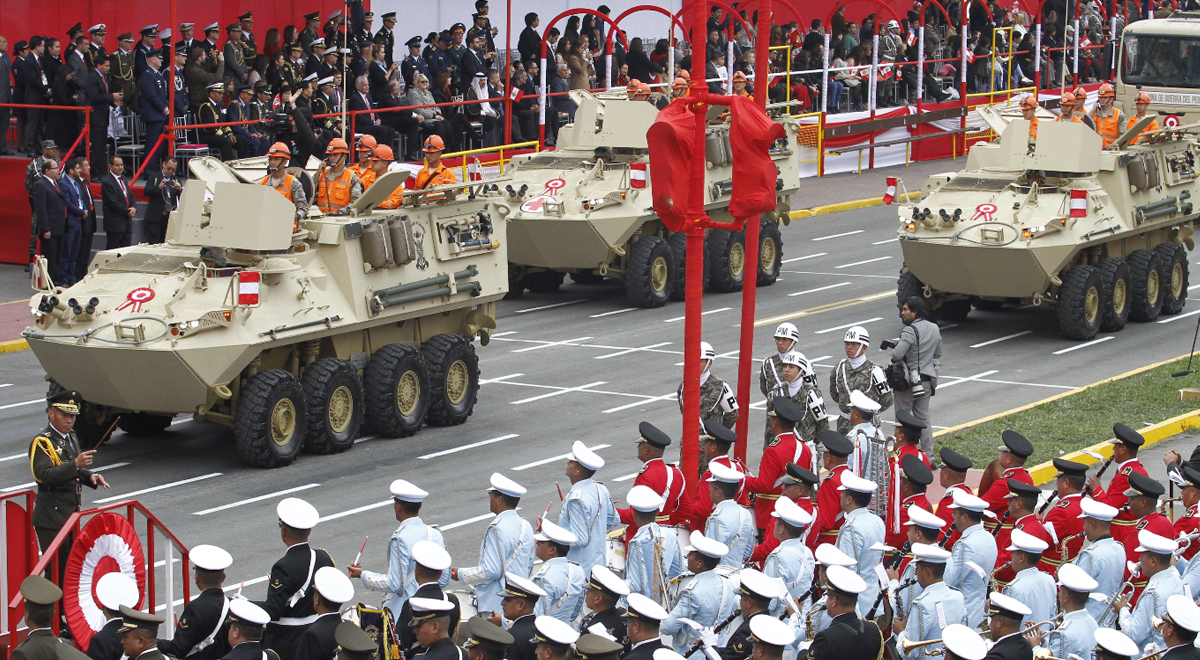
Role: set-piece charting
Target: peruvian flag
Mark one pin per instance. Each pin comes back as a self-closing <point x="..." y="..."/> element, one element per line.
<point x="970" y="56"/>
<point x="637" y="175"/>
<point x="247" y="287"/>
<point x="516" y="94"/>
<point x="885" y="71"/>
<point x="1078" y="203"/>
<point x="891" y="190"/>
<point x="1085" y="43"/>
<point x="912" y="38"/>
<point x="475" y="170"/>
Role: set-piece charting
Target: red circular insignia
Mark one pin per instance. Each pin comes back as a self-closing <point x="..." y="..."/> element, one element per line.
<point x="1171" y="121"/>
<point x="106" y="543"/>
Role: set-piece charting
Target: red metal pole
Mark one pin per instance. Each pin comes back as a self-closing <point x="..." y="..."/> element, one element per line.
<point x="508" y="118"/>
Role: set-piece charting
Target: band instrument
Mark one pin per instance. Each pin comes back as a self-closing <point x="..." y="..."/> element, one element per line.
<point x="1087" y="491"/>
<point x="810" y="619"/>
<point x="908" y="645"/>
<point x="884" y="592"/>
<point x="880" y="471"/>
<point x="894" y="562"/>
<point x="1053" y="622"/>
<point x="1108" y="617"/>
<point x="699" y="644"/>
<point x="1049" y="501"/>
<point x="1000" y="523"/>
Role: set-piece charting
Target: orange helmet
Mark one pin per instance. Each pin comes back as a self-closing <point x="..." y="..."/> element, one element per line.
<point x="679" y="83"/>
<point x="1028" y="102"/>
<point x="738" y="76"/>
<point x="1106" y="90"/>
<point x="366" y="143"/>
<point x="643" y="88"/>
<point x="383" y="152"/>
<point x="279" y="150"/>
<point x="434" y="143"/>
<point x="685" y="74"/>
<point x="1142" y="97"/>
<point x="633" y="85"/>
<point x="337" y="146"/>
<point x="1067" y="99"/>
<point x="1080" y="97"/>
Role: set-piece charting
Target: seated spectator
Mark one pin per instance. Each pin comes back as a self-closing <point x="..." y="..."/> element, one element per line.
<point x="432" y="122"/>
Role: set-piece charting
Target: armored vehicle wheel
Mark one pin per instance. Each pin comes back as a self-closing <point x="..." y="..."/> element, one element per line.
<point x="1114" y="307"/>
<point x="271" y="417"/>
<point x="143" y="424"/>
<point x="987" y="305"/>
<point x="678" y="243"/>
<point x="396" y="390"/>
<point x="1175" y="277"/>
<point x="334" y="395"/>
<point x="650" y="272"/>
<point x="516" y="281"/>
<point x="545" y="281"/>
<point x="1145" y="278"/>
<point x="453" y="379"/>
<point x="908" y="286"/>
<point x="1080" y="301"/>
<point x="770" y="253"/>
<point x="587" y="277"/>
<point x="726" y="255"/>
<point x="90" y="424"/>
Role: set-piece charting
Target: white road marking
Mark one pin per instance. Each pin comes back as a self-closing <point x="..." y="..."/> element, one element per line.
<point x="158" y="488"/>
<point x="553" y="458"/>
<point x="254" y="499"/>
<point x="843" y="327"/>
<point x="627" y="351"/>
<point x="665" y="397"/>
<point x="890" y="240"/>
<point x="1000" y="339"/>
<point x="711" y="311"/>
<point x="1013" y="382"/>
<point x="814" y="272"/>
<point x="845" y="233"/>
<point x="1084" y="345"/>
<point x="622" y="348"/>
<point x="468" y="521"/>
<point x="626" y="477"/>
<point x="1179" y="316"/>
<point x="947" y="326"/>
<point x="351" y="512"/>
<point x="12" y="457"/>
<point x="1194" y="286"/>
<point x="807" y="256"/>
<point x="504" y="334"/>
<point x="967" y="379"/>
<point x="501" y="379"/>
<point x="877" y="296"/>
<point x="365" y="438"/>
<point x="563" y="390"/>
<point x="32" y="484"/>
<point x="616" y="311"/>
<point x="561" y="304"/>
<point x="23" y="403"/>
<point x="821" y="288"/>
<point x="473" y="445"/>
<point x="868" y="261"/>
<point x="547" y="344"/>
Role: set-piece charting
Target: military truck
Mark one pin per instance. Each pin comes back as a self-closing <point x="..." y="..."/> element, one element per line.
<point x="1100" y="235"/>
<point x="585" y="208"/>
<point x="1158" y="57"/>
<point x="297" y="333"/>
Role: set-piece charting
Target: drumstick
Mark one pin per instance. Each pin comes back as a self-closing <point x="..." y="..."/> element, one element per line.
<point x="106" y="433"/>
<point x="239" y="593"/>
<point x="560" y="496"/>
<point x="360" y="551"/>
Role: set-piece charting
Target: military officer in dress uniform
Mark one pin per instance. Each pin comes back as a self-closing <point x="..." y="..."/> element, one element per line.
<point x="857" y="373"/>
<point x="249" y="45"/>
<point x="755" y="593"/>
<point x="829" y="517"/>
<point x="121" y="72"/>
<point x="1022" y="500"/>
<point x="1163" y="581"/>
<point x="848" y="636"/>
<point x="520" y="597"/>
<point x="202" y="632"/>
<point x="666" y="480"/>
<point x="602" y="592"/>
<point x="220" y="139"/>
<point x="1114" y="645"/>
<point x="1144" y="493"/>
<point x="554" y="638"/>
<point x="414" y="63"/>
<point x="1076" y="634"/>
<point x="432" y="628"/>
<point x="1103" y="559"/>
<point x="783" y="416"/>
<point x="861" y="532"/>
<point x="290" y="590"/>
<point x="1031" y="586"/>
<point x="430" y="562"/>
<point x="707" y="600"/>
<point x="771" y="375"/>
<point x="587" y="512"/>
<point x="365" y="34"/>
<point x="652" y="556"/>
<point x="333" y="589"/>
<point x="715" y="443"/>
<point x="1126" y="443"/>
<point x="1011" y="465"/>
<point x="1004" y="628"/>
<point x="923" y="528"/>
<point x="730" y="523"/>
<point x="40" y="642"/>
<point x="246" y="623"/>
<point x="596" y="647"/>
<point x="112" y="591"/>
<point x="235" y="62"/>
<point x="561" y="578"/>
<point x="975" y="545"/>
<point x="311" y="23"/>
<point x="60" y="468"/>
<point x="1181" y="622"/>
<point x="139" y="634"/>
<point x="356" y="644"/>
<point x="799" y="485"/>
<point x="485" y="640"/>
<point x="717" y="401"/>
<point x="952" y="476"/>
<point x="643" y="625"/>
<point x="387" y="37"/>
<point x="791" y="561"/>
<point x="507" y="546"/>
<point x="1063" y="521"/>
<point x="799" y="386"/>
<point x="962" y="643"/>
<point x="398" y="582"/>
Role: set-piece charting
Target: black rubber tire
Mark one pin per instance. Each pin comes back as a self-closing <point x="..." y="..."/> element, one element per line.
<point x="544" y="281"/>
<point x="954" y="310"/>
<point x="453" y="370"/>
<point x="1145" y="276"/>
<point x="1080" y="303"/>
<point x="516" y="281"/>
<point x="330" y="387"/>
<point x="649" y="273"/>
<point x="143" y="424"/>
<point x="90" y="426"/>
<point x="587" y="277"/>
<point x="1114" y="273"/>
<point x="381" y="383"/>
<point x="725" y="252"/>
<point x="908" y="286"/>
<point x="769" y="238"/>
<point x="987" y="305"/>
<point x="261" y="395"/>
<point x="678" y="243"/>
<point x="1175" y="277"/>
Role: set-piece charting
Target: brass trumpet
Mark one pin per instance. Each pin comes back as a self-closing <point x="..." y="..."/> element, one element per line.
<point x="1030" y="627"/>
<point x="1111" y="612"/>
<point x="909" y="645"/>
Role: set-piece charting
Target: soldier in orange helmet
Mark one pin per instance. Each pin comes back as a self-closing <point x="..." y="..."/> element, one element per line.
<point x="278" y="178"/>
<point x="1142" y="103"/>
<point x="337" y="185"/>
<point x="1107" y="117"/>
<point x="1029" y="107"/>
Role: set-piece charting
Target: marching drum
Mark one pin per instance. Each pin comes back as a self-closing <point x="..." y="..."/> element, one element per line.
<point x="614" y="550"/>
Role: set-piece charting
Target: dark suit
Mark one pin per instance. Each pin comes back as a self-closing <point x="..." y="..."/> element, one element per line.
<point x="523" y="647"/>
<point x="118" y="199"/>
<point x="106" y="643"/>
<point x="99" y="96"/>
<point x="39" y="645"/>
<point x="70" y="243"/>
<point x="163" y="199"/>
<point x="153" y="90"/>
<point x="645" y="651"/>
<point x="529" y="45"/>
<point x="471" y="65"/>
<point x="200" y="618"/>
<point x="739" y="645"/>
<point x="365" y="123"/>
<point x="37" y="91"/>
<point x="1010" y="647"/>
<point x="318" y="643"/>
<point x="89" y="229"/>
<point x="1182" y="652"/>
<point x="377" y="78"/>
<point x="850" y="637"/>
<point x="403" y="123"/>
<point x="50" y="209"/>
<point x="6" y="74"/>
<point x="288" y="575"/>
<point x="443" y="649"/>
<point x="408" y="639"/>
<point x="612" y="619"/>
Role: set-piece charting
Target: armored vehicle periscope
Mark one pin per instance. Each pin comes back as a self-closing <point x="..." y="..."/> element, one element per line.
<point x="570" y="211"/>
<point x="1099" y="234"/>
<point x="254" y="320"/>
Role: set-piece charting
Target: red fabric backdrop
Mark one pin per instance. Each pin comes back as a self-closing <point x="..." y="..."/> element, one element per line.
<point x="14" y="211"/>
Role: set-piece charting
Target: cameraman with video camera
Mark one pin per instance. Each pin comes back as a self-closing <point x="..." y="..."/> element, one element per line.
<point x="292" y="124"/>
<point x="914" y="370"/>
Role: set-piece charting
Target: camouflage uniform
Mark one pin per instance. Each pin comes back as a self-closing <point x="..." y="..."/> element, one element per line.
<point x="808" y="398"/>
<point x="771" y="375"/>
<point x="711" y="393"/>
<point x="869" y="378"/>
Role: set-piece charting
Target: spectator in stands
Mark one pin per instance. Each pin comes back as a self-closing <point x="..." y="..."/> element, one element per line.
<point x="16" y="69"/>
<point x="571" y="33"/>
<point x="144" y="46"/>
<point x="153" y="91"/>
<point x="577" y="62"/>
<point x="275" y="72"/>
<point x="432" y="122"/>
<point x="640" y="66"/>
<point x="37" y="92"/>
<point x="119" y="207"/>
<point x="62" y="126"/>
<point x="69" y="248"/>
<point x="406" y="122"/>
<point x="101" y="97"/>
<point x="239" y="110"/>
<point x="50" y="212"/>
<point x="713" y="70"/>
<point x="198" y="77"/>
<point x="379" y="73"/>
<point x="234" y="55"/>
<point x="472" y="63"/>
<point x="271" y="42"/>
<point x="530" y="43"/>
<point x="88" y="226"/>
<point x="220" y="139"/>
<point x="485" y="113"/>
<point x="368" y="122"/>
<point x="525" y="111"/>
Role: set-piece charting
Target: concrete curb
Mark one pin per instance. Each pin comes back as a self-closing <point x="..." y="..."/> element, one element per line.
<point x="13" y="346"/>
<point x="848" y="206"/>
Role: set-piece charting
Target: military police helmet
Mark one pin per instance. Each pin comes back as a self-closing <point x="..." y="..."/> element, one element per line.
<point x="787" y="331"/>
<point x="858" y="335"/>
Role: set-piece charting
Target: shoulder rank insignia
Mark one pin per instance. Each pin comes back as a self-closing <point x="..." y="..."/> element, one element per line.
<point x="1141" y="524"/>
<point x="774" y="442"/>
<point x="644" y="467"/>
<point x="1064" y="504"/>
<point x="1127" y="470"/>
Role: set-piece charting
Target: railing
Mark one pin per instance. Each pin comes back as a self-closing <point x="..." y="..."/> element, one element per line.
<point x="26" y="555"/>
<point x="498" y="150"/>
<point x="84" y="133"/>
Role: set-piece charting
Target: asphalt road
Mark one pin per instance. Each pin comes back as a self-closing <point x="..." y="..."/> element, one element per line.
<point x="577" y="365"/>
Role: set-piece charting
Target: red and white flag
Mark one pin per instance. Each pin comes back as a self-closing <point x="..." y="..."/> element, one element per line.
<point x="891" y="190"/>
<point x="1085" y="43"/>
<point x="475" y="170"/>
<point x="912" y="39"/>
<point x="1078" y="203"/>
<point x="637" y="175"/>
<point x="516" y="94"/>
<point x="970" y="56"/>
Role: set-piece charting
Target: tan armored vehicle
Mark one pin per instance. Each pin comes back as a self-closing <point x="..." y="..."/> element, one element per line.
<point x="1098" y="234"/>
<point x="297" y="334"/>
<point x="585" y="208"/>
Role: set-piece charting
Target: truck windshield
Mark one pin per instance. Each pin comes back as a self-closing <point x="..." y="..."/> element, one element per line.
<point x="1161" y="61"/>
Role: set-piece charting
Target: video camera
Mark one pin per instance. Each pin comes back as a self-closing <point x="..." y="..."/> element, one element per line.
<point x="276" y="124"/>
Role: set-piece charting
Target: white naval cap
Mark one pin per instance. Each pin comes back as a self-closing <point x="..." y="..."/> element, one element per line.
<point x="1075" y="578"/>
<point x="706" y="546"/>
<point x="923" y="518"/>
<point x="405" y="491"/>
<point x="327" y="80"/>
<point x="851" y="481"/>
<point x="586" y="457"/>
<point x="1008" y="606"/>
<point x="930" y="553"/>
<point x="756" y="583"/>
<point x="165" y="35"/>
<point x="863" y="402"/>
<point x="245" y="611"/>
<point x="725" y="474"/>
<point x="99" y="27"/>
<point x="333" y="585"/>
<point x="644" y="499"/>
<point x="1182" y="612"/>
<point x="641" y="607"/>
<point x="424" y="609"/>
<point x="965" y="500"/>
<point x="297" y="514"/>
<point x="667" y="654"/>
<point x="215" y="25"/>
<point x="550" y="630"/>
<point x="1116" y="642"/>
<point x="116" y="589"/>
<point x="791" y="513"/>
<point x="431" y="555"/>
<point x="210" y="558"/>
<point x="516" y="586"/>
<point x="1026" y="542"/>
<point x="1098" y="510"/>
<point x="963" y="642"/>
<point x="555" y="534"/>
<point x="845" y="580"/>
<point x="507" y="486"/>
<point x="1148" y="541"/>
<point x="769" y="630"/>
<point x="602" y="579"/>
<point x="828" y="555"/>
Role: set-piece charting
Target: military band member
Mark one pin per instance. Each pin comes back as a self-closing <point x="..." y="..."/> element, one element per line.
<point x="652" y="556"/>
<point x="1114" y="645"/>
<point x="799" y="386"/>
<point x="715" y="443"/>
<point x="1022" y="500"/>
<point x="1077" y="632"/>
<point x="1103" y="559"/>
<point x="333" y="589"/>
<point x="519" y="598"/>
<point x="1064" y="522"/>
<point x="849" y="636"/>
<point x="1163" y="581"/>
<point x="962" y="643"/>
<point x="1143" y="505"/>
<point x="923" y="528"/>
<point x="432" y="628"/>
<point x="856" y="372"/>
<point x="717" y="401"/>
<point x="587" y="512"/>
<point x="601" y="594"/>
<point x="1029" y="585"/>
<point x="1005" y="629"/>
<point x="861" y="532"/>
<point x="906" y="443"/>
<point x="1181" y="622"/>
<point x="826" y="557"/>
<point x="798" y="485"/>
<point x="507" y="545"/>
<point x="666" y="480"/>
<point x="913" y="479"/>
<point x="430" y="561"/>
<point x="561" y="578"/>
<point x="791" y="561"/>
<point x="112" y="591"/>
<point x="730" y="523"/>
<point x="1188" y="523"/>
<point x="829" y="516"/>
<point x="201" y="633"/>
<point x="952" y="476"/>
<point x="783" y="415"/>
<point x="595" y="647"/>
<point x="755" y="593"/>
<point x="1126" y="443"/>
<point x="246" y="630"/>
<point x="554" y="638"/>
<point x="40" y="643"/>
<point x="976" y="545"/>
<point x="486" y="640"/>
<point x="642" y="626"/>
<point x="707" y="600"/>
<point x="1010" y="465"/>
<point x="290" y="590"/>
<point x="771" y="376"/>
<point x="139" y="634"/>
<point x="867" y="437"/>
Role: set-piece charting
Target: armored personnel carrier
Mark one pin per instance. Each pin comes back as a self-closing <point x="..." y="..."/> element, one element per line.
<point x="1099" y="234"/>
<point x="296" y="333"/>
<point x="585" y="208"/>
